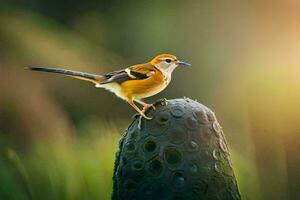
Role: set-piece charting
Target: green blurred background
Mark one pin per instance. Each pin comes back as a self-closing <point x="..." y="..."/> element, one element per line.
<point x="58" y="136"/>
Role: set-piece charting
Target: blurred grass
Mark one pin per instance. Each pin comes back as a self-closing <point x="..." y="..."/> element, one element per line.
<point x="77" y="169"/>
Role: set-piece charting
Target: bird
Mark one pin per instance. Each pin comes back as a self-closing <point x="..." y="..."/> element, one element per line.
<point x="132" y="84"/>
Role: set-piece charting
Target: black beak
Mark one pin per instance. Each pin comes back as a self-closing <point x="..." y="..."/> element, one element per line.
<point x="183" y="63"/>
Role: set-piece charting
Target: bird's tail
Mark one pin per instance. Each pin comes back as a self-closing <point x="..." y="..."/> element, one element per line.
<point x="96" y="79"/>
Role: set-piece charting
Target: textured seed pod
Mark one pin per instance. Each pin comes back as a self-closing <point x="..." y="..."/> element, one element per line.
<point x="180" y="154"/>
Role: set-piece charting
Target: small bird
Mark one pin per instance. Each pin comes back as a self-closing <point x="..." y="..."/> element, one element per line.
<point x="133" y="83"/>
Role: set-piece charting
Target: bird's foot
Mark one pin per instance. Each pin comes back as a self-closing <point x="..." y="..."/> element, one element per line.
<point x="142" y="115"/>
<point x="162" y="101"/>
<point x="148" y="106"/>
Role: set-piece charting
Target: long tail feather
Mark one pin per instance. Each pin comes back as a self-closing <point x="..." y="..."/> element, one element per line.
<point x="96" y="79"/>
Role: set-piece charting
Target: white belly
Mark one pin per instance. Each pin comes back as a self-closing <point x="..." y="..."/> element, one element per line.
<point x="114" y="88"/>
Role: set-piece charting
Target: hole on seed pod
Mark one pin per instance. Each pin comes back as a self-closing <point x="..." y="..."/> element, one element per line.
<point x="178" y="179"/>
<point x="193" y="167"/>
<point x="177" y="111"/>
<point x="163" y="119"/>
<point x="150" y="146"/>
<point x="191" y="123"/>
<point x="173" y="156"/>
<point x="159" y="124"/>
<point x="138" y="164"/>
<point x="130" y="146"/>
<point x="192" y="146"/>
<point x="155" y="166"/>
<point x="200" y="186"/>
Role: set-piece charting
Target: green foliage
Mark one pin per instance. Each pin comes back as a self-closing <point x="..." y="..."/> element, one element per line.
<point x="80" y="169"/>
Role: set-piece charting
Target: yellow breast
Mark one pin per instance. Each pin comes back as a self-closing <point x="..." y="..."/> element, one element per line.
<point x="139" y="89"/>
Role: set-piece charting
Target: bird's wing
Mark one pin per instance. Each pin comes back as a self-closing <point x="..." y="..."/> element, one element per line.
<point x="136" y="72"/>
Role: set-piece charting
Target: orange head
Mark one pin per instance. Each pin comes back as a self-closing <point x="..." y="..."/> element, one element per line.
<point x="167" y="62"/>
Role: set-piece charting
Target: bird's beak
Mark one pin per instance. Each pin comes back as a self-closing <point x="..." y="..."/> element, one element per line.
<point x="183" y="63"/>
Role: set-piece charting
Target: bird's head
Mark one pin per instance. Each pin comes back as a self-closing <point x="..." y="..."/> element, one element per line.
<point x="167" y="62"/>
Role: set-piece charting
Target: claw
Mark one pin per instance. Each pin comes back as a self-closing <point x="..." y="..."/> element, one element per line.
<point x="136" y="115"/>
<point x="147" y="106"/>
<point x="142" y="115"/>
<point x="148" y="118"/>
<point x="153" y="107"/>
<point x="140" y="123"/>
<point x="163" y="101"/>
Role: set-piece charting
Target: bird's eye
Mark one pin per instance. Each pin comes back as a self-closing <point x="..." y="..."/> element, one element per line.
<point x="168" y="60"/>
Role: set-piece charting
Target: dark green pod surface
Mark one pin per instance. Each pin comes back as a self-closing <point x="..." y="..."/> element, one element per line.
<point x="180" y="154"/>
